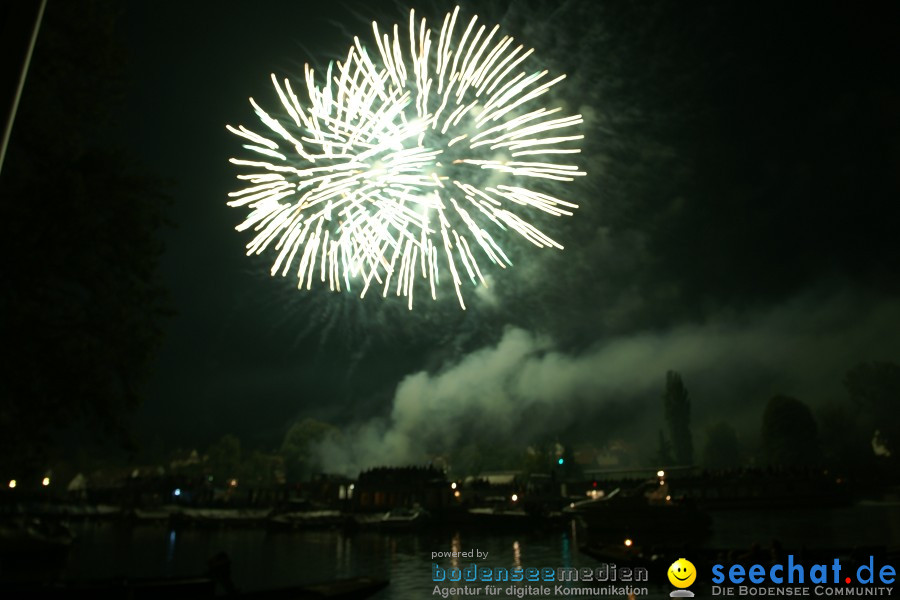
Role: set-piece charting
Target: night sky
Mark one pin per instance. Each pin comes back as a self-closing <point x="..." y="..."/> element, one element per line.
<point x="738" y="224"/>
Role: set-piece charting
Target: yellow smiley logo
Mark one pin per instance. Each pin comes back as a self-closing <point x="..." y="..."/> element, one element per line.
<point x="682" y="573"/>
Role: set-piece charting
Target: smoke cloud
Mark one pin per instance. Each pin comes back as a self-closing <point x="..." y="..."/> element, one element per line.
<point x="523" y="387"/>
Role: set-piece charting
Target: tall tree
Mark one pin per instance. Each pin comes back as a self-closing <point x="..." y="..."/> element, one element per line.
<point x="664" y="450"/>
<point x="677" y="405"/>
<point x="721" y="449"/>
<point x="846" y="439"/>
<point x="875" y="389"/>
<point x="790" y="436"/>
<point x="81" y="304"/>
<point x="225" y="459"/>
<point x="298" y="447"/>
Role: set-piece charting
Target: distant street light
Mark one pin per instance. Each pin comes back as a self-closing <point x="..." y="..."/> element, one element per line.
<point x="12" y="483"/>
<point x="45" y="482"/>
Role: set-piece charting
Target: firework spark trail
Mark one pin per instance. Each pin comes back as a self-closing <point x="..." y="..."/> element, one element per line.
<point x="376" y="180"/>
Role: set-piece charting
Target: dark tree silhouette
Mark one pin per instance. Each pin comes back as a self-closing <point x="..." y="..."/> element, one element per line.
<point x="664" y="450"/>
<point x="298" y="447"/>
<point x="80" y="300"/>
<point x="875" y="389"/>
<point x="721" y="448"/>
<point x="789" y="433"/>
<point x="677" y="405"/>
<point x="224" y="458"/>
<point x="846" y="439"/>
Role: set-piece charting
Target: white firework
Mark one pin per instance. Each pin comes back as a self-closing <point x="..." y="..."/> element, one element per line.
<point x="406" y="162"/>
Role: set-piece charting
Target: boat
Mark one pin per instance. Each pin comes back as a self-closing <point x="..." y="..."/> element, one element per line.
<point x="648" y="511"/>
<point x="307" y="519"/>
<point x="513" y="519"/>
<point x="403" y="519"/>
<point x="215" y="517"/>
<point x="153" y="514"/>
<point x="22" y="539"/>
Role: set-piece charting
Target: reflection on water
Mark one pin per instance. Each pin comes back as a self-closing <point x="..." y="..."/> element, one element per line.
<point x="170" y="548"/>
<point x="455" y="546"/>
<point x="263" y="559"/>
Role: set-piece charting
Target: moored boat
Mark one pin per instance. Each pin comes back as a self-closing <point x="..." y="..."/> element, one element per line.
<point x="22" y="539"/>
<point x="403" y="519"/>
<point x="648" y="511"/>
<point x="304" y="520"/>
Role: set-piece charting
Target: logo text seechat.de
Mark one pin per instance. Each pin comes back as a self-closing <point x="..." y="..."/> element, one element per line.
<point x="796" y="573"/>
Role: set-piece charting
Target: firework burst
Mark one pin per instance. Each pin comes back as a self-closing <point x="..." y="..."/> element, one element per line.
<point x="402" y="167"/>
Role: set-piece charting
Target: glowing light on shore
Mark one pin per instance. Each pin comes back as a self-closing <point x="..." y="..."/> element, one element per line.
<point x="409" y="164"/>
